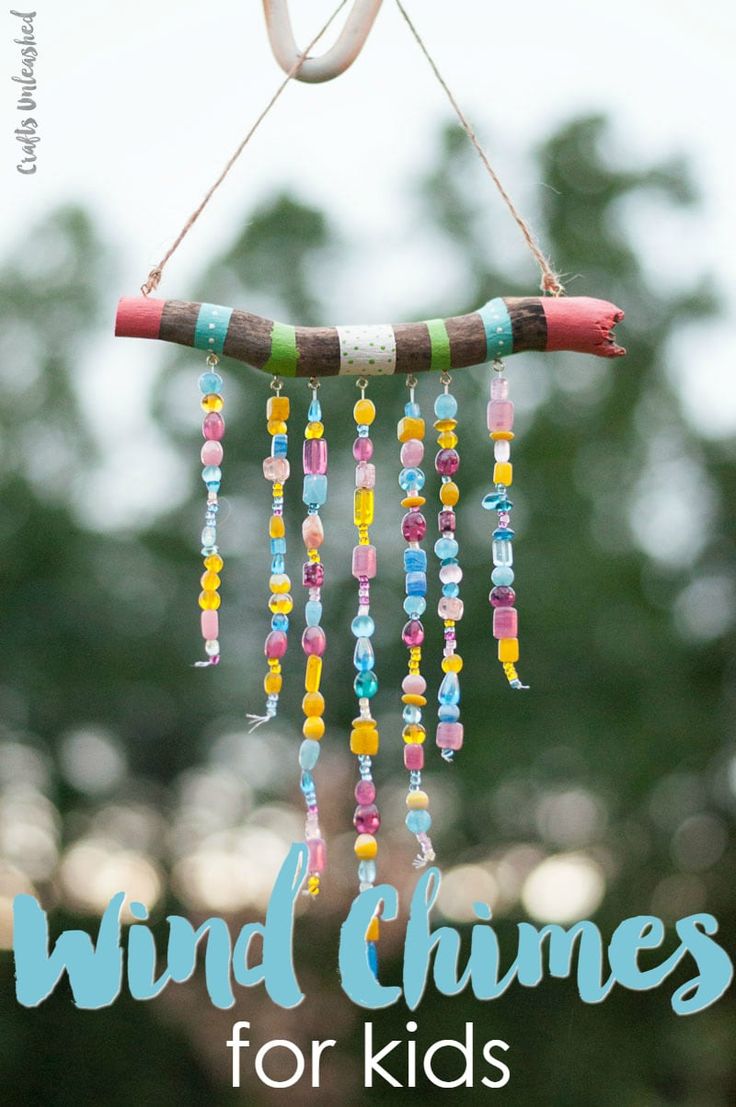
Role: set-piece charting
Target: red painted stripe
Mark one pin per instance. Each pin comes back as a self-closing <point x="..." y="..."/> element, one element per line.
<point x="138" y="317"/>
<point x="582" y="324"/>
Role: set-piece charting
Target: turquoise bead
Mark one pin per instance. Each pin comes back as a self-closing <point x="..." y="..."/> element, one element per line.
<point x="448" y="713"/>
<point x="503" y="574"/>
<point x="313" y="613"/>
<point x="450" y="589"/>
<point x="277" y="545"/>
<point x="445" y="406"/>
<point x="412" y="410"/>
<point x="366" y="685"/>
<point x="363" y="656"/>
<point x="411" y="714"/>
<point x="415" y="605"/>
<point x="362" y="626"/>
<point x="278" y="563"/>
<point x="210" y="382"/>
<point x="308" y="754"/>
<point x="449" y="690"/>
<point x="419" y="822"/>
<point x="315" y="411"/>
<point x="503" y="534"/>
<point x="496" y="501"/>
<point x="446" y="548"/>
<point x="280" y="622"/>
<point x="411" y="478"/>
<point x="306" y="782"/>
<point x="315" y="489"/>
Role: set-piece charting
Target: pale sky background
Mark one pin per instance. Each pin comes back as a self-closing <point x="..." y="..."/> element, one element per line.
<point x="139" y="105"/>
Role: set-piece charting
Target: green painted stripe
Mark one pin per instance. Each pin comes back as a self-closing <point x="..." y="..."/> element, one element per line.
<point x="499" y="332"/>
<point x="440" y="341"/>
<point x="210" y="330"/>
<point x="284" y="354"/>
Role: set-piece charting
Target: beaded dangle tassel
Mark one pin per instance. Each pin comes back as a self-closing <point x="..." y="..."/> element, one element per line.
<point x="213" y="430"/>
<point x="280" y="603"/>
<point x="450" y="607"/>
<point x="410" y="432"/>
<point x="500" y="419"/>
<point x="314" y="640"/>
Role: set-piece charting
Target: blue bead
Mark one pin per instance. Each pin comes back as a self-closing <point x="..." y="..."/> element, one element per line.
<point x="503" y="534"/>
<point x="411" y="714"/>
<point x="313" y="613"/>
<point x="315" y="411"/>
<point x="412" y="410"/>
<point x="315" y="489"/>
<point x="415" y="605"/>
<point x="306" y="782"/>
<point x="367" y="872"/>
<point x="209" y="383"/>
<point x="448" y="713"/>
<point x="450" y="589"/>
<point x="363" y="656"/>
<point x="280" y="622"/>
<point x="278" y="545"/>
<point x="446" y="548"/>
<point x="278" y="563"/>
<point x="502" y="574"/>
<point x="411" y="478"/>
<point x="212" y="474"/>
<point x="503" y="553"/>
<point x="362" y="626"/>
<point x="415" y="561"/>
<point x="366" y="685"/>
<point x="497" y="501"/>
<point x="373" y="958"/>
<point x="308" y="754"/>
<point x="416" y="584"/>
<point x="449" y="690"/>
<point x="279" y="445"/>
<point x="419" y="822"/>
<point x="445" y="406"/>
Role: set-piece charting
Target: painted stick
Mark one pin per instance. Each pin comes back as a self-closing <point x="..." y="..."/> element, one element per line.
<point x="501" y="327"/>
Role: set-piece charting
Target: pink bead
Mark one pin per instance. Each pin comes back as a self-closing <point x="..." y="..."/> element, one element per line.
<point x="313" y="533"/>
<point x="317" y="854"/>
<point x="365" y="791"/>
<point x="276" y="469"/>
<point x="365" y="475"/>
<point x="505" y="622"/>
<point x="213" y="426"/>
<point x="413" y="756"/>
<point x="451" y="574"/>
<point x="210" y="623"/>
<point x="450" y="736"/>
<point x="499" y="388"/>
<point x="500" y="415"/>
<point x="413" y="633"/>
<point x="313" y="574"/>
<point x="211" y="453"/>
<point x="412" y="453"/>
<point x="502" y="450"/>
<point x="362" y="449"/>
<point x="414" y="685"/>
<point x="275" y="644"/>
<point x="364" y="561"/>
<point x="447" y="463"/>
<point x="502" y="596"/>
<point x="314" y="640"/>
<point x="450" y="607"/>
<point x="413" y="526"/>
<point x="446" y="522"/>
<point x="314" y="455"/>
<point x="366" y="819"/>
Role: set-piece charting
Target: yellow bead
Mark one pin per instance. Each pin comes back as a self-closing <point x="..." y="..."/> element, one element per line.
<point x="276" y="426"/>
<point x="452" y="664"/>
<point x="445" y="424"/>
<point x="314" y="727"/>
<point x="313" y="673"/>
<point x="415" y="801"/>
<point x="414" y="734"/>
<point x="409" y="428"/>
<point x="276" y="526"/>
<point x="413" y="501"/>
<point x="280" y="604"/>
<point x="213" y="402"/>
<point x="279" y="582"/>
<point x="447" y="440"/>
<point x="502" y="436"/>
<point x="449" y="493"/>
<point x="278" y="407"/>
<point x="272" y="683"/>
<point x="210" y="581"/>
<point x="364" y="742"/>
<point x="363" y="503"/>
<point x="366" y="847"/>
<point x="314" y="430"/>
<point x="274" y="664"/>
<point x="414" y="700"/>
<point x="364" y="412"/>
<point x="213" y="562"/>
<point x="363" y="724"/>
<point x="313" y="704"/>
<point x="503" y="473"/>
<point x="209" y="601"/>
<point x="508" y="649"/>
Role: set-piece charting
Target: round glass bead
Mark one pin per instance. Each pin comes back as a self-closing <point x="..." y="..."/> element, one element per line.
<point x="366" y="819"/>
<point x="450" y="589"/>
<point x="413" y="526"/>
<point x="213" y="426"/>
<point x="365" y="791"/>
<point x="451" y="574"/>
<point x="362" y="449"/>
<point x="362" y="626"/>
<point x="412" y="452"/>
<point x="502" y="596"/>
<point x="314" y="641"/>
<point x="447" y="462"/>
<point x="280" y="622"/>
<point x="415" y="605"/>
<point x="412" y="410"/>
<point x="411" y="714"/>
<point x="211" y="453"/>
<point x="445" y="548"/>
<point x="448" y="713"/>
<point x="503" y="574"/>
<point x="210" y="382"/>
<point x="418" y="822"/>
<point x="366" y="685"/>
<point x="411" y="478"/>
<point x="275" y="644"/>
<point x="211" y="402"/>
<point x="445" y="406"/>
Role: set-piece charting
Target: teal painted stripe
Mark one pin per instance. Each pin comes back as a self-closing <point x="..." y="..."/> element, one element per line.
<point x="499" y="332"/>
<point x="440" y="340"/>
<point x="210" y="331"/>
<point x="284" y="352"/>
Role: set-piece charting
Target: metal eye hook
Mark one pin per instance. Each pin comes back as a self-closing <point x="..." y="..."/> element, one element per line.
<point x="335" y="60"/>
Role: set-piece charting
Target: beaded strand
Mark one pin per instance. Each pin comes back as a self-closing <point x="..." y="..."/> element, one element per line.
<point x="450" y="607"/>
<point x="314" y="639"/>
<point x="410" y="433"/>
<point x="213" y="430"/>
<point x="280" y="603"/>
<point x="500" y="420"/>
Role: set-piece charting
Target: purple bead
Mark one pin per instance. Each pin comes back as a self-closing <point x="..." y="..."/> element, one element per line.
<point x="365" y="791"/>
<point x="313" y="574"/>
<point x="450" y="736"/>
<point x="213" y="426"/>
<point x="502" y="596"/>
<point x="362" y="449"/>
<point x="447" y="463"/>
<point x="413" y="633"/>
<point x="366" y="819"/>
<point x="505" y="622"/>
<point x="413" y="526"/>
<point x="413" y="757"/>
<point x="314" y="640"/>
<point x="314" y="455"/>
<point x="446" y="522"/>
<point x="275" y="644"/>
<point x="317" y="854"/>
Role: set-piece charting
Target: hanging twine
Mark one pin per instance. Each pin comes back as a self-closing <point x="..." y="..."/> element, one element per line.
<point x="550" y="280"/>
<point x="154" y="277"/>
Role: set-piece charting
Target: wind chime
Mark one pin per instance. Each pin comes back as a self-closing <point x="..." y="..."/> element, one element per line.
<point x="503" y="327"/>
